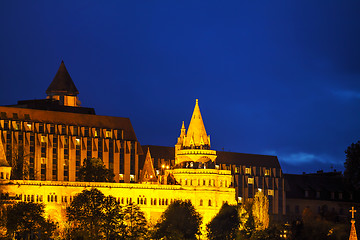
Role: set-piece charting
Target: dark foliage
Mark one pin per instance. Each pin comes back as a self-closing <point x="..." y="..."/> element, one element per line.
<point x="26" y="221"/>
<point x="352" y="164"/>
<point x="86" y="214"/>
<point x="94" y="170"/>
<point x="135" y="224"/>
<point x="91" y="215"/>
<point x="179" y="221"/>
<point x="225" y="224"/>
<point x="18" y="163"/>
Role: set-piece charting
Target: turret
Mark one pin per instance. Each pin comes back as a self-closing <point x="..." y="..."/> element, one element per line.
<point x="63" y="89"/>
<point x="195" y="144"/>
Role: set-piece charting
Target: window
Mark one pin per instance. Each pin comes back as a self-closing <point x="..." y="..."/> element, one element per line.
<point x="28" y="126"/>
<point x="132" y="178"/>
<point x="201" y="202"/>
<point x="86" y="132"/>
<point x="63" y="129"/>
<point x="75" y="131"/>
<point x="270" y="192"/>
<point x="108" y="133"/>
<point x="267" y="172"/>
<point x="77" y="141"/>
<point x="52" y="128"/>
<point x="250" y="180"/>
<point x="209" y="202"/>
<point x="247" y="170"/>
<point x="41" y="128"/>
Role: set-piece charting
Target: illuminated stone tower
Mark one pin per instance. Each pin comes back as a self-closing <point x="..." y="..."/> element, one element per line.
<point x="194" y="146"/>
<point x="63" y="89"/>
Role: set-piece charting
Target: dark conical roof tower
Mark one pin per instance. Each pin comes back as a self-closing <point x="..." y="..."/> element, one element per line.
<point x="62" y="84"/>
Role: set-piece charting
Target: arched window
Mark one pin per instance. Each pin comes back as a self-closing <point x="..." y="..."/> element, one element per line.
<point x="201" y="202"/>
<point x="209" y="202"/>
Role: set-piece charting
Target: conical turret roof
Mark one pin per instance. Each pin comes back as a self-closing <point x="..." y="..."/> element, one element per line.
<point x="148" y="172"/>
<point x="62" y="84"/>
<point x="196" y="134"/>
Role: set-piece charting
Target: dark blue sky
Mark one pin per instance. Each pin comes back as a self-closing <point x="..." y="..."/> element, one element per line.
<point x="272" y="77"/>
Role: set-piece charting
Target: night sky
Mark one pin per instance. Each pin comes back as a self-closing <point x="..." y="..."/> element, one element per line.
<point x="272" y="77"/>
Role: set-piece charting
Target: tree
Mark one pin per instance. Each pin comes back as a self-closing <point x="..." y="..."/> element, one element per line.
<point x="16" y="158"/>
<point x="254" y="216"/>
<point x="134" y="221"/>
<point x="93" y="216"/>
<point x="260" y="211"/>
<point x="86" y="214"/>
<point x="225" y="224"/>
<point x="26" y="219"/>
<point x="352" y="164"/>
<point x="113" y="225"/>
<point x="94" y="170"/>
<point x="179" y="221"/>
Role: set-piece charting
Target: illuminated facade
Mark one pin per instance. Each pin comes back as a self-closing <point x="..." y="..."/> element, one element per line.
<point x="56" y="134"/>
<point x="193" y="163"/>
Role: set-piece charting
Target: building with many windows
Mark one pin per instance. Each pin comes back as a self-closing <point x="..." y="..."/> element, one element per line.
<point x="54" y="135"/>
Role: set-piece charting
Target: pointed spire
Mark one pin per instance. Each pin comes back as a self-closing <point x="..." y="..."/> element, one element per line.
<point x="62" y="84"/>
<point x="148" y="172"/>
<point x="353" y="235"/>
<point x="196" y="132"/>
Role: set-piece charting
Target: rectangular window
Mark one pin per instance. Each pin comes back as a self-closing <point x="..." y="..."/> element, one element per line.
<point x="86" y="132"/>
<point x="267" y="172"/>
<point x="97" y="132"/>
<point x="100" y="149"/>
<point x="111" y="154"/>
<point x="41" y="128"/>
<point x="6" y="125"/>
<point x="119" y="134"/>
<point x="52" y="128"/>
<point x="121" y="161"/>
<point x="132" y="157"/>
<point x="250" y="180"/>
<point x="75" y="131"/>
<point x="247" y="170"/>
<point x="63" y="129"/>
<point x="270" y="192"/>
<point x="89" y="148"/>
<point x="108" y="133"/>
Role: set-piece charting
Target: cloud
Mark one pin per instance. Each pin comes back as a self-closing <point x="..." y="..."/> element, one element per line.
<point x="301" y="157"/>
<point x="305" y="162"/>
<point x="346" y="94"/>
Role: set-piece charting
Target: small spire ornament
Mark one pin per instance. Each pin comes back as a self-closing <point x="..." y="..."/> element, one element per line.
<point x="353" y="235"/>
